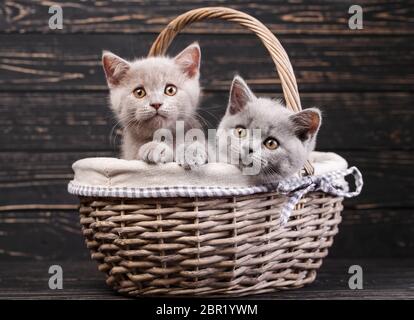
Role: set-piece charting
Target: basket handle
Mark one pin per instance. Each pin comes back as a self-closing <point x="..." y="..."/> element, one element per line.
<point x="272" y="44"/>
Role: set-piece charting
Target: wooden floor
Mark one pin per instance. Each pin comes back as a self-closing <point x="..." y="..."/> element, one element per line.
<point x="383" y="279"/>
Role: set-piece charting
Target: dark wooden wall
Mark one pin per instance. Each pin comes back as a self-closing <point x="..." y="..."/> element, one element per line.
<point x="53" y="104"/>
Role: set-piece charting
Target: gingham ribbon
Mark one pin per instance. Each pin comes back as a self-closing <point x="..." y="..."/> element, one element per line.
<point x="297" y="187"/>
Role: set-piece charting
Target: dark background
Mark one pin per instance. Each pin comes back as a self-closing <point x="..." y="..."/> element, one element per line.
<point x="54" y="109"/>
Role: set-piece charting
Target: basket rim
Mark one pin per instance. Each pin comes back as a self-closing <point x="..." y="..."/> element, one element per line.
<point x="136" y="174"/>
<point x="110" y="183"/>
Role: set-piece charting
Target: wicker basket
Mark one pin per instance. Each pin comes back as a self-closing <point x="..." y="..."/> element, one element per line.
<point x="228" y="245"/>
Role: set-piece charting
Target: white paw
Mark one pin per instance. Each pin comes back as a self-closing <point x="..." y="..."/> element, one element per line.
<point x="156" y="152"/>
<point x="192" y="155"/>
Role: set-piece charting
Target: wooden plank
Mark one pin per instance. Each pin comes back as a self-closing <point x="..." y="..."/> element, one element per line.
<point x="38" y="235"/>
<point x="39" y="178"/>
<point x="56" y="121"/>
<point x="33" y="178"/>
<point x="83" y="121"/>
<point x="298" y="17"/>
<point x="387" y="179"/>
<point x="41" y="235"/>
<point x="382" y="233"/>
<point x="382" y="279"/>
<point x="321" y="64"/>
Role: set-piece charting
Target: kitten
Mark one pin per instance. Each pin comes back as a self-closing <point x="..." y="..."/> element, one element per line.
<point x="286" y="137"/>
<point x="150" y="94"/>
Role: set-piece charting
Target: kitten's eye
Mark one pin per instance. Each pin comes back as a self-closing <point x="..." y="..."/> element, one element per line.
<point x="140" y="93"/>
<point x="240" y="132"/>
<point x="170" y="90"/>
<point x="271" y="143"/>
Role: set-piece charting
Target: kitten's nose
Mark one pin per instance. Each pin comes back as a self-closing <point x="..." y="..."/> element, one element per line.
<point x="248" y="149"/>
<point x="156" y="106"/>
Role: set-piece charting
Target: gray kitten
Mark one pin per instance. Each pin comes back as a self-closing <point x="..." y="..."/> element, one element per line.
<point x="286" y="137"/>
<point x="153" y="93"/>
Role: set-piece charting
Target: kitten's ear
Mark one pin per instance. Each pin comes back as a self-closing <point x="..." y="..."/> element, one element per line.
<point x="189" y="60"/>
<point x="307" y="123"/>
<point x="115" y="67"/>
<point x="240" y="95"/>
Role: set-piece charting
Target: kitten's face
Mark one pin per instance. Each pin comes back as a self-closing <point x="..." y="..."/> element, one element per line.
<point x="155" y="92"/>
<point x="285" y="138"/>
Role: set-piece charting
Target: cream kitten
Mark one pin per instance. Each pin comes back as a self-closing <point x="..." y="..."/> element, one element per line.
<point x="153" y="93"/>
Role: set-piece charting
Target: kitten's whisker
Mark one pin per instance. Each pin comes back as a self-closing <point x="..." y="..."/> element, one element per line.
<point x="213" y="115"/>
<point x="125" y="122"/>
<point x="262" y="160"/>
<point x="193" y="117"/>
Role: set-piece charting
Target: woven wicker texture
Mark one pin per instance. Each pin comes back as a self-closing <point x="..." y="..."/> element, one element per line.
<point x="185" y="246"/>
<point x="212" y="246"/>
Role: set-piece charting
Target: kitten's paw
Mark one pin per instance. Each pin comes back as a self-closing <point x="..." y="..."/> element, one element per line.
<point x="156" y="152"/>
<point x="191" y="156"/>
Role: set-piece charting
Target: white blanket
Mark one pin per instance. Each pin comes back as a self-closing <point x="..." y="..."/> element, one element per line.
<point x="118" y="173"/>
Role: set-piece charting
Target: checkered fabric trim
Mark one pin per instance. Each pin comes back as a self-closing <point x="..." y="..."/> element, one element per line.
<point x="162" y="192"/>
<point x="295" y="188"/>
